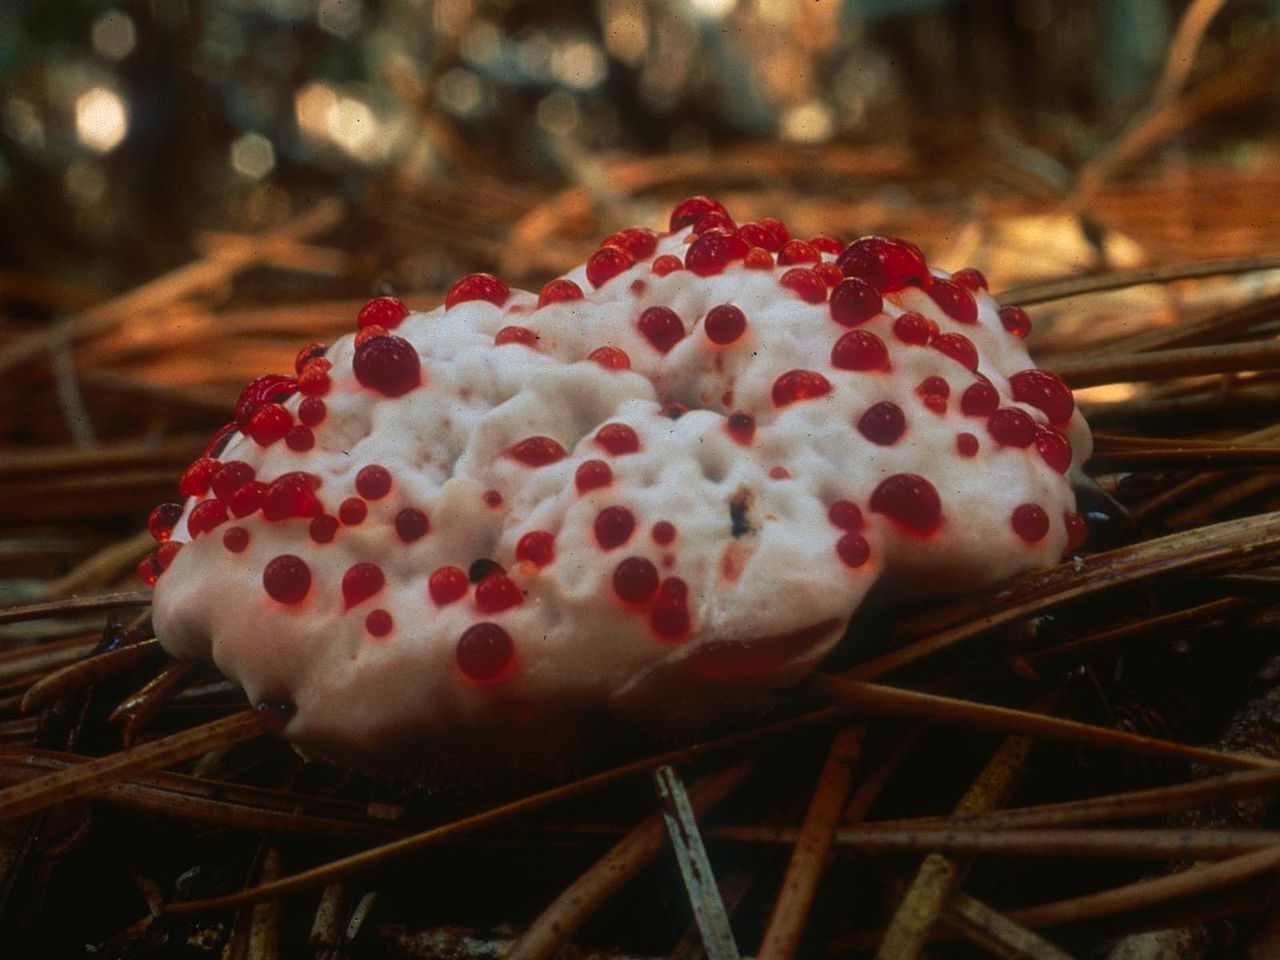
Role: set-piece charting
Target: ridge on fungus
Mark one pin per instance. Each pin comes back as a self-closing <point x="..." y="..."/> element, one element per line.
<point x="581" y="496"/>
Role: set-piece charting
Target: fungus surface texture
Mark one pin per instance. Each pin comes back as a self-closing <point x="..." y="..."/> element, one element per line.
<point x="659" y="503"/>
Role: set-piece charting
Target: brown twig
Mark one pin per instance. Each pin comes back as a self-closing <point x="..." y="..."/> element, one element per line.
<point x="86" y="673"/>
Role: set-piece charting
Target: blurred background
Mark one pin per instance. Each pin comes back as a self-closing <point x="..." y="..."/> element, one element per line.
<point x="192" y="189"/>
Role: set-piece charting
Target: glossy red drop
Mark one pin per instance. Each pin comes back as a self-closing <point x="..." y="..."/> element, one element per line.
<point x="537" y="451"/>
<point x="287" y="579"/>
<point x="1016" y="321"/>
<point x="883" y="423"/>
<point x="522" y="336"/>
<point x="853" y="550"/>
<point x="559" y="291"/>
<point x="618" y="439"/>
<point x="477" y="286"/>
<point x="323" y="528"/>
<point x="635" y="580"/>
<point x="379" y="623"/>
<point x="613" y="527"/>
<point x="484" y="652"/>
<point x="669" y="616"/>
<point x="666" y="264"/>
<point x="742" y="427"/>
<point x="805" y="283"/>
<point x="162" y="520"/>
<point x="611" y="358"/>
<point x="447" y="584"/>
<point x="860" y="350"/>
<point x="846" y="515"/>
<point x="389" y="365"/>
<point x="497" y="592"/>
<point x="798" y="251"/>
<point x="290" y="495"/>
<point x="1030" y="522"/>
<point x="912" y="328"/>
<point x="1054" y="448"/>
<point x="386" y="312"/>
<point x="352" y="511"/>
<point x="663" y="532"/>
<point x="979" y="400"/>
<point x="361" y="582"/>
<point x="592" y="474"/>
<point x="886" y="263"/>
<point x="854" y="302"/>
<point x="1011" y="427"/>
<point x="692" y="210"/>
<point x="236" y="539"/>
<point x="606" y="263"/>
<point x="1045" y="391"/>
<point x="797" y="385"/>
<point x="537" y="547"/>
<point x="910" y="501"/>
<point x="959" y="348"/>
<point x="956" y="301"/>
<point x="662" y="327"/>
<point x="724" y="324"/>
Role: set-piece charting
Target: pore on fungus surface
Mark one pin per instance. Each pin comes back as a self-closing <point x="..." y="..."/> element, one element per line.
<point x="653" y="493"/>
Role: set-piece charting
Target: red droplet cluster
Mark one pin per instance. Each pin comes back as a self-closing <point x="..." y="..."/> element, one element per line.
<point x="886" y="263"/>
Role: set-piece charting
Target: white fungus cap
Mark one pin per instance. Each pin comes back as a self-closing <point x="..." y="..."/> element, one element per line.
<point x="476" y="546"/>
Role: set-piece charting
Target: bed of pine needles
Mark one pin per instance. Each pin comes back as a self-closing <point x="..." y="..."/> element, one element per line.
<point x="1081" y="762"/>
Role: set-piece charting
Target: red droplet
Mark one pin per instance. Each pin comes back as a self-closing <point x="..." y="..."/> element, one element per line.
<point x="885" y="262"/>
<point x="854" y="301"/>
<point x="912" y="328"/>
<point x="959" y="348"/>
<point x="537" y="451"/>
<point x="166" y="553"/>
<point x="1011" y="427"/>
<point x="373" y="482"/>
<point x="799" y="251"/>
<point x="606" y="263"/>
<point x="236" y="539"/>
<point x="1016" y="321"/>
<point x="694" y="209"/>
<point x="482" y="567"/>
<point x="934" y="387"/>
<point x="477" y="286"/>
<point x="312" y="351"/>
<point x="666" y="264"/>
<point x="299" y="439"/>
<point x="966" y="444"/>
<point x="1054" y="447"/>
<point x="369" y="333"/>
<point x="497" y="592"/>
<point x="1030" y="522"/>
<point x="314" y="381"/>
<point x="361" y="582"/>
<point x="537" y="547"/>
<point x="147" y="571"/>
<point x="805" y="283"/>
<point x="290" y="495"/>
<point x="270" y="422"/>
<point x="411" y="524"/>
<point x="484" y="652"/>
<point x="492" y="498"/>
<point x="379" y="623"/>
<point x="845" y="515"/>
<point x="323" y="528"/>
<point x="724" y="324"/>
<point x="385" y="312"/>
<point x="447" y="584"/>
<point x="206" y="515"/>
<point x="860" y="350"/>
<point x="272" y="388"/>
<point x="827" y="244"/>
<point x="768" y="233"/>
<point x="758" y="258"/>
<point x="518" y="335"/>
<point x="218" y="442"/>
<point x="955" y="301"/>
<point x="663" y="532"/>
<point x="388" y="365"/>
<point x="779" y="473"/>
<point x="829" y="273"/>
<point x="712" y="252"/>
<point x="635" y="580"/>
<point x="883" y="423"/>
<point x="979" y="400"/>
<point x="1077" y="530"/>
<point x="712" y="220"/>
<point x="592" y="474"/>
<point x="742" y="427"/>
<point x="352" y="511"/>
<point x="197" y="477"/>
<point x="559" y="291"/>
<point x="229" y="478"/>
<point x="611" y="358"/>
<point x="1046" y="392"/>
<point x="910" y="501"/>
<point x="637" y="241"/>
<point x="162" y="520"/>
<point x="662" y="327"/>
<point x="618" y="439"/>
<point x="669" y="618"/>
<point x="853" y="550"/>
<point x="799" y="385"/>
<point x="614" y="526"/>
<point x="249" y="498"/>
<point x="970" y="279"/>
<point x="286" y="579"/>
